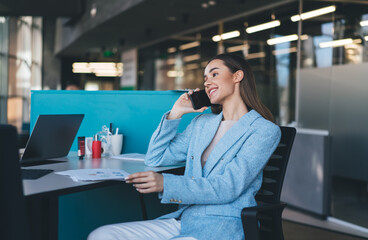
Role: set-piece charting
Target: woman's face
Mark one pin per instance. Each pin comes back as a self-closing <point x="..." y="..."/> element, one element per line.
<point x="218" y="81"/>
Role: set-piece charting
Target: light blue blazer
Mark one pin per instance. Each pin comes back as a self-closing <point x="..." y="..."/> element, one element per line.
<point x="211" y="198"/>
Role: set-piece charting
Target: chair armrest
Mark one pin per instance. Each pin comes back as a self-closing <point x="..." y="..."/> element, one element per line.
<point x="264" y="207"/>
<point x="251" y="217"/>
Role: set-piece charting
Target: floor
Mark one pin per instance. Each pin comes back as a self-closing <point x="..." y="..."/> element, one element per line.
<point x="296" y="231"/>
<point x="296" y="222"/>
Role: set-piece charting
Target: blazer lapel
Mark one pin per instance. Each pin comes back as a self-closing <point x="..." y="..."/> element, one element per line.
<point x="229" y="139"/>
<point x="205" y="138"/>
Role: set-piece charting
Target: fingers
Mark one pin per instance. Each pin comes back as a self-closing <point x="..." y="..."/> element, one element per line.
<point x="185" y="96"/>
<point x="190" y="92"/>
<point x="146" y="182"/>
<point x="138" y="177"/>
<point x="148" y="187"/>
<point x="133" y="177"/>
<point x="144" y="185"/>
<point x="201" y="109"/>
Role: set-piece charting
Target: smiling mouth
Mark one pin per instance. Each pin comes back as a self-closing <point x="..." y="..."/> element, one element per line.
<point x="212" y="91"/>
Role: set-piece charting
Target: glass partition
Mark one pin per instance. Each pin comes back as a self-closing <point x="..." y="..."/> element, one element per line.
<point x="179" y="63"/>
<point x="4" y="44"/>
<point x="333" y="92"/>
<point x="24" y="67"/>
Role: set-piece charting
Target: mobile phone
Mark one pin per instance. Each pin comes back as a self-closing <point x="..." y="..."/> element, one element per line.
<point x="199" y="99"/>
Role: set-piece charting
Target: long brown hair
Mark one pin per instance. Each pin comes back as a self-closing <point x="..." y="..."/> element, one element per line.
<point x="248" y="91"/>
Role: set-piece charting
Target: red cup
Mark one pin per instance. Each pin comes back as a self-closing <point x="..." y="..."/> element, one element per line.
<point x="96" y="149"/>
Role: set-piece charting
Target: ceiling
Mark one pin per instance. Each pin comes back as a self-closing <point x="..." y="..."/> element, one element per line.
<point x="89" y="27"/>
<point x="67" y="8"/>
<point x="150" y="22"/>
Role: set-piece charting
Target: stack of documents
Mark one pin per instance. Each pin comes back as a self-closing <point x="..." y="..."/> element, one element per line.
<point x="98" y="174"/>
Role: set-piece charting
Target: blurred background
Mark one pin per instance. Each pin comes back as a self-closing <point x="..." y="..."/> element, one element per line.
<point x="310" y="60"/>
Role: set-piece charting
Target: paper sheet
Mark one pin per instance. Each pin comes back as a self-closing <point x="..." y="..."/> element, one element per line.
<point x="98" y="174"/>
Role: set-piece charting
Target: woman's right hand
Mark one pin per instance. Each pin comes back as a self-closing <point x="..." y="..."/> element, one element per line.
<point x="182" y="106"/>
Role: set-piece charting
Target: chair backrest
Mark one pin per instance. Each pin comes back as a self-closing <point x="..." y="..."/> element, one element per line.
<point x="14" y="222"/>
<point x="274" y="172"/>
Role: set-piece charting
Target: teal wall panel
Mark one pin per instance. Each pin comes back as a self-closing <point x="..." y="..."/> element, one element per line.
<point x="136" y="114"/>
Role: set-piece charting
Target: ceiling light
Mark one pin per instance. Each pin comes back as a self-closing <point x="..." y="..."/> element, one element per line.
<point x="225" y="36"/>
<point x="102" y="65"/>
<point x="82" y="70"/>
<point x="171" y="61"/>
<point x="106" y="71"/>
<point x="192" y="58"/>
<point x="204" y="5"/>
<point x="339" y="43"/>
<point x="289" y="38"/>
<point x="313" y="13"/>
<point x="256" y="55"/>
<point x="204" y="64"/>
<point x="364" y="23"/>
<point x="263" y="26"/>
<point x="100" y="69"/>
<point x="108" y="75"/>
<point x="284" y="51"/>
<point x="212" y="3"/>
<point x="2" y="19"/>
<point x="93" y="11"/>
<point x="216" y="38"/>
<point x="189" y="45"/>
<point x="304" y="37"/>
<point x="174" y="73"/>
<point x="366" y="38"/>
<point x="237" y="48"/>
<point x="80" y="65"/>
<point x="171" y="50"/>
<point x="171" y="18"/>
<point x="192" y="66"/>
<point x="91" y="86"/>
<point x="229" y="35"/>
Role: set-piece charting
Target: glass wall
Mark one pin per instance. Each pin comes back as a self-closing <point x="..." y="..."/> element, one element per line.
<point x="23" y="72"/>
<point x="179" y="62"/>
<point x="4" y="35"/>
<point x="332" y="96"/>
<point x="309" y="71"/>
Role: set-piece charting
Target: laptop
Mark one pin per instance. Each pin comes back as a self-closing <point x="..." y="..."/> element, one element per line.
<point x="52" y="137"/>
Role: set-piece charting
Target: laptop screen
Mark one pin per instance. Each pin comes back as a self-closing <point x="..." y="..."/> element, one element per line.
<point x="52" y="136"/>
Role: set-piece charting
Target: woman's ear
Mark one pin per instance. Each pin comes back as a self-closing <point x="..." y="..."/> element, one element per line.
<point x="238" y="76"/>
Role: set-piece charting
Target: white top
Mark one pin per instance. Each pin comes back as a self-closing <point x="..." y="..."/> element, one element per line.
<point x="225" y="125"/>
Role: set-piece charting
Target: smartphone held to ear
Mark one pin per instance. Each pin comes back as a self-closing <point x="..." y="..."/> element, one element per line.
<point x="199" y="99"/>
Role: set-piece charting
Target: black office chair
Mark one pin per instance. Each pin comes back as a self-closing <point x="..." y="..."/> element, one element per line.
<point x="264" y="221"/>
<point x="14" y="222"/>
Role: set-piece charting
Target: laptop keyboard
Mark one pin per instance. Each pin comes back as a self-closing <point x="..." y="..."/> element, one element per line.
<point x="34" y="173"/>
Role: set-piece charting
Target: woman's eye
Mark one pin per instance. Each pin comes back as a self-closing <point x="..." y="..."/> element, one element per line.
<point x="215" y="74"/>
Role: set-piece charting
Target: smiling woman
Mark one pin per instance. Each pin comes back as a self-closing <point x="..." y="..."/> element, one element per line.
<point x="247" y="86"/>
<point x="224" y="152"/>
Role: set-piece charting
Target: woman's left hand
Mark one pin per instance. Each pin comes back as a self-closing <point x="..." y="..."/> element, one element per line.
<point x="147" y="182"/>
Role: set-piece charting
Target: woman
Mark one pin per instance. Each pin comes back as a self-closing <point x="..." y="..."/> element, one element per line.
<point x="224" y="151"/>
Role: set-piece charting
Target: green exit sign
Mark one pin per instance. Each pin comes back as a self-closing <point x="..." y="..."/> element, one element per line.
<point x="108" y="54"/>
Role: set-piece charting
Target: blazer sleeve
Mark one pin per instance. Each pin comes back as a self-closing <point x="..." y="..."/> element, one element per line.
<point x="167" y="147"/>
<point x="238" y="175"/>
